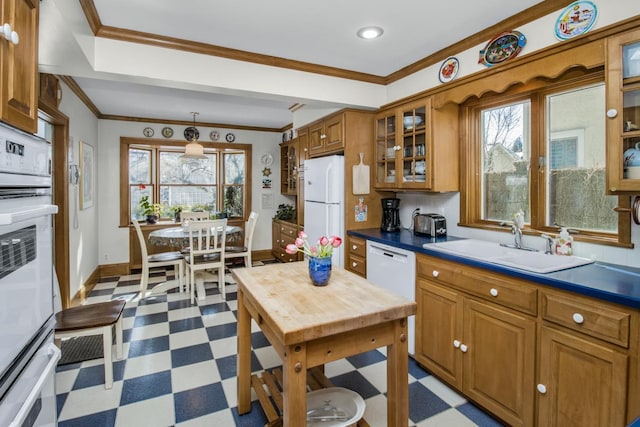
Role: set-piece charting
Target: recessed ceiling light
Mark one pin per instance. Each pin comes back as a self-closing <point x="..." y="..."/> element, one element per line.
<point x="370" y="32"/>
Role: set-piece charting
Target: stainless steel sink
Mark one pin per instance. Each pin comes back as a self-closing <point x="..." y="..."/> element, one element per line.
<point x="492" y="252"/>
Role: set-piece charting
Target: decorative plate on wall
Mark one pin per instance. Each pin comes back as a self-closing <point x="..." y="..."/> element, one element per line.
<point x="502" y="47"/>
<point x="214" y="135"/>
<point x="148" y="132"/>
<point x="230" y="137"/>
<point x="576" y="19"/>
<point x="449" y="69"/>
<point x="167" y="132"/>
<point x="191" y="132"/>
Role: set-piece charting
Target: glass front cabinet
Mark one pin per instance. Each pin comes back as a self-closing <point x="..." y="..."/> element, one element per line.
<point x="417" y="147"/>
<point x="623" y="112"/>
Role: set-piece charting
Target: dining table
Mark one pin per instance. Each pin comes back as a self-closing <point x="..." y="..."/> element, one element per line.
<point x="179" y="237"/>
<point x="309" y="326"/>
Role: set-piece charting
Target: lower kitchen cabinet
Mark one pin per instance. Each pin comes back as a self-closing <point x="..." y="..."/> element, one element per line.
<point x="480" y="348"/>
<point x="282" y="234"/>
<point x="583" y="383"/>
<point x="528" y="353"/>
<point x="356" y="256"/>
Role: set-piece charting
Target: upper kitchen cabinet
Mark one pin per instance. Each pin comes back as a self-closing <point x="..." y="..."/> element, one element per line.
<point x="18" y="64"/>
<point x="327" y="136"/>
<point x="416" y="147"/>
<point x="289" y="167"/>
<point x="623" y="112"/>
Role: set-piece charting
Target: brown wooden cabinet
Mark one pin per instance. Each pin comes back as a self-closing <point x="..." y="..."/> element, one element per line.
<point x="327" y="136"/>
<point x="530" y="354"/>
<point x="19" y="65"/>
<point x="481" y="348"/>
<point x="282" y="234"/>
<point x="356" y="261"/>
<point x="289" y="168"/>
<point x="416" y="147"/>
<point x="623" y="110"/>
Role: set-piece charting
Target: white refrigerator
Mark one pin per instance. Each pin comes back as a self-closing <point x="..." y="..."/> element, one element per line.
<point x="324" y="201"/>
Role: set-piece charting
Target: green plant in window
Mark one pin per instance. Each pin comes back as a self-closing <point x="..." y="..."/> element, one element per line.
<point x="150" y="210"/>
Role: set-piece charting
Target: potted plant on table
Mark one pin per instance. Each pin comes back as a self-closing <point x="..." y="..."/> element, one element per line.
<point x="150" y="210"/>
<point x="319" y="255"/>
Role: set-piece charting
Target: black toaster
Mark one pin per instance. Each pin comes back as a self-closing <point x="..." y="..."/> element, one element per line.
<point x="431" y="224"/>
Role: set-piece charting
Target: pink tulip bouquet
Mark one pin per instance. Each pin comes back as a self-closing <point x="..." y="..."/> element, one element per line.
<point x="322" y="249"/>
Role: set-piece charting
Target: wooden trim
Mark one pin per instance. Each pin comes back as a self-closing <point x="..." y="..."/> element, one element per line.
<point x="81" y="296"/>
<point x="534" y="12"/>
<point x="109" y="270"/>
<point x="80" y="94"/>
<point x="60" y="177"/>
<point x="531" y="14"/>
<point x="189" y="123"/>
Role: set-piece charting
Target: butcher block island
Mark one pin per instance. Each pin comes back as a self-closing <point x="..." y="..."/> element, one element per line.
<point x="311" y="325"/>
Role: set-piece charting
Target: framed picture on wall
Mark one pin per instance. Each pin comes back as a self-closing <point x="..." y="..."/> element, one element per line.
<point x="86" y="176"/>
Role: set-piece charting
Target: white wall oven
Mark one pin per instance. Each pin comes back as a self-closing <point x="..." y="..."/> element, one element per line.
<point x="27" y="355"/>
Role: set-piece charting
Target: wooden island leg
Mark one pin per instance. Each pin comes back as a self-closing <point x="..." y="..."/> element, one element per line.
<point x="294" y="393"/>
<point x="397" y="376"/>
<point x="244" y="356"/>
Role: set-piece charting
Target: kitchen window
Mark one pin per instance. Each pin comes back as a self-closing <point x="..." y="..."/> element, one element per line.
<point x="217" y="183"/>
<point x="541" y="151"/>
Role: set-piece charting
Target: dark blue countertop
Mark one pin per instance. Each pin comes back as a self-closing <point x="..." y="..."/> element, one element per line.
<point x="609" y="282"/>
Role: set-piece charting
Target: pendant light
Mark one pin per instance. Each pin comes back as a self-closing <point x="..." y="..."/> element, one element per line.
<point x="193" y="150"/>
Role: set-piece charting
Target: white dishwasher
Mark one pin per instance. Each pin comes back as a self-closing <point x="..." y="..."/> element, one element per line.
<point x="395" y="270"/>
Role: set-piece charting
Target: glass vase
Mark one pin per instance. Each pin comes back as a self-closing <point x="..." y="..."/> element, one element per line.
<point x="320" y="270"/>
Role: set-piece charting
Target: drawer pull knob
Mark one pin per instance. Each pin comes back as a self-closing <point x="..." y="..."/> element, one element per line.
<point x="493" y="292"/>
<point x="542" y="389"/>
<point x="354" y="264"/>
<point x="578" y="318"/>
<point x="354" y="247"/>
<point x="456" y="343"/>
<point x="435" y="273"/>
<point x="463" y="348"/>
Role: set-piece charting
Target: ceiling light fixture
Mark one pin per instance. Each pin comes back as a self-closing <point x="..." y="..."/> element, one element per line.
<point x="193" y="150"/>
<point x="370" y="32"/>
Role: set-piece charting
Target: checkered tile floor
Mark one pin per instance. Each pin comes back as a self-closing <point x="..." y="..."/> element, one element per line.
<point x="180" y="365"/>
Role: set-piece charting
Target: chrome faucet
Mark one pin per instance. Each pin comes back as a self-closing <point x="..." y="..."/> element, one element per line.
<point x="516" y="230"/>
<point x="517" y="236"/>
<point x="548" y="244"/>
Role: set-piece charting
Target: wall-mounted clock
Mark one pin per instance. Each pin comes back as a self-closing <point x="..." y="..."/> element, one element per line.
<point x="230" y="137"/>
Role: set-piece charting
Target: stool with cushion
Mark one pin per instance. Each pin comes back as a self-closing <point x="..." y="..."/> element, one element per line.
<point x="94" y="319"/>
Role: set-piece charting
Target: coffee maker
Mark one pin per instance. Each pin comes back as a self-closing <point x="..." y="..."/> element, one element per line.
<point x="390" y="215"/>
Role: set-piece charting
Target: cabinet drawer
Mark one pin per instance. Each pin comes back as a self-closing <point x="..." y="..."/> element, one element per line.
<point x="506" y="291"/>
<point x="594" y="318"/>
<point x="357" y="264"/>
<point x="358" y="247"/>
<point x="289" y="230"/>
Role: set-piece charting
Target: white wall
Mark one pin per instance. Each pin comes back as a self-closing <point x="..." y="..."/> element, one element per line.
<point x="83" y="224"/>
<point x="114" y="241"/>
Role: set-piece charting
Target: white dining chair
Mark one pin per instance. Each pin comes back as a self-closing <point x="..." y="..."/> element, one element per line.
<point x="244" y="251"/>
<point x="162" y="259"/>
<point x="207" y="243"/>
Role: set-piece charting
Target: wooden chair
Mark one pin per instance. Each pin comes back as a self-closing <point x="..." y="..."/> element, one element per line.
<point x="207" y="242"/>
<point x="162" y="259"/>
<point x="244" y="251"/>
<point x="94" y="319"/>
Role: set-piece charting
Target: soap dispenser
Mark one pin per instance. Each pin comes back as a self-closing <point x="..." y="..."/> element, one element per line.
<point x="564" y="242"/>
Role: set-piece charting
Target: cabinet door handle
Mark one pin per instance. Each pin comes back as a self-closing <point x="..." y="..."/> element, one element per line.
<point x="354" y="247"/>
<point x="435" y="273"/>
<point x="456" y="343"/>
<point x="463" y="348"/>
<point x="323" y="136"/>
<point x="493" y="292"/>
<point x="578" y="318"/>
<point x="612" y="112"/>
<point x="354" y="264"/>
<point x="542" y="389"/>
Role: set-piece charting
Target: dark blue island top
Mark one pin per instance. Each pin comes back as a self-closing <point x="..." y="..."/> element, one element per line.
<point x="609" y="282"/>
